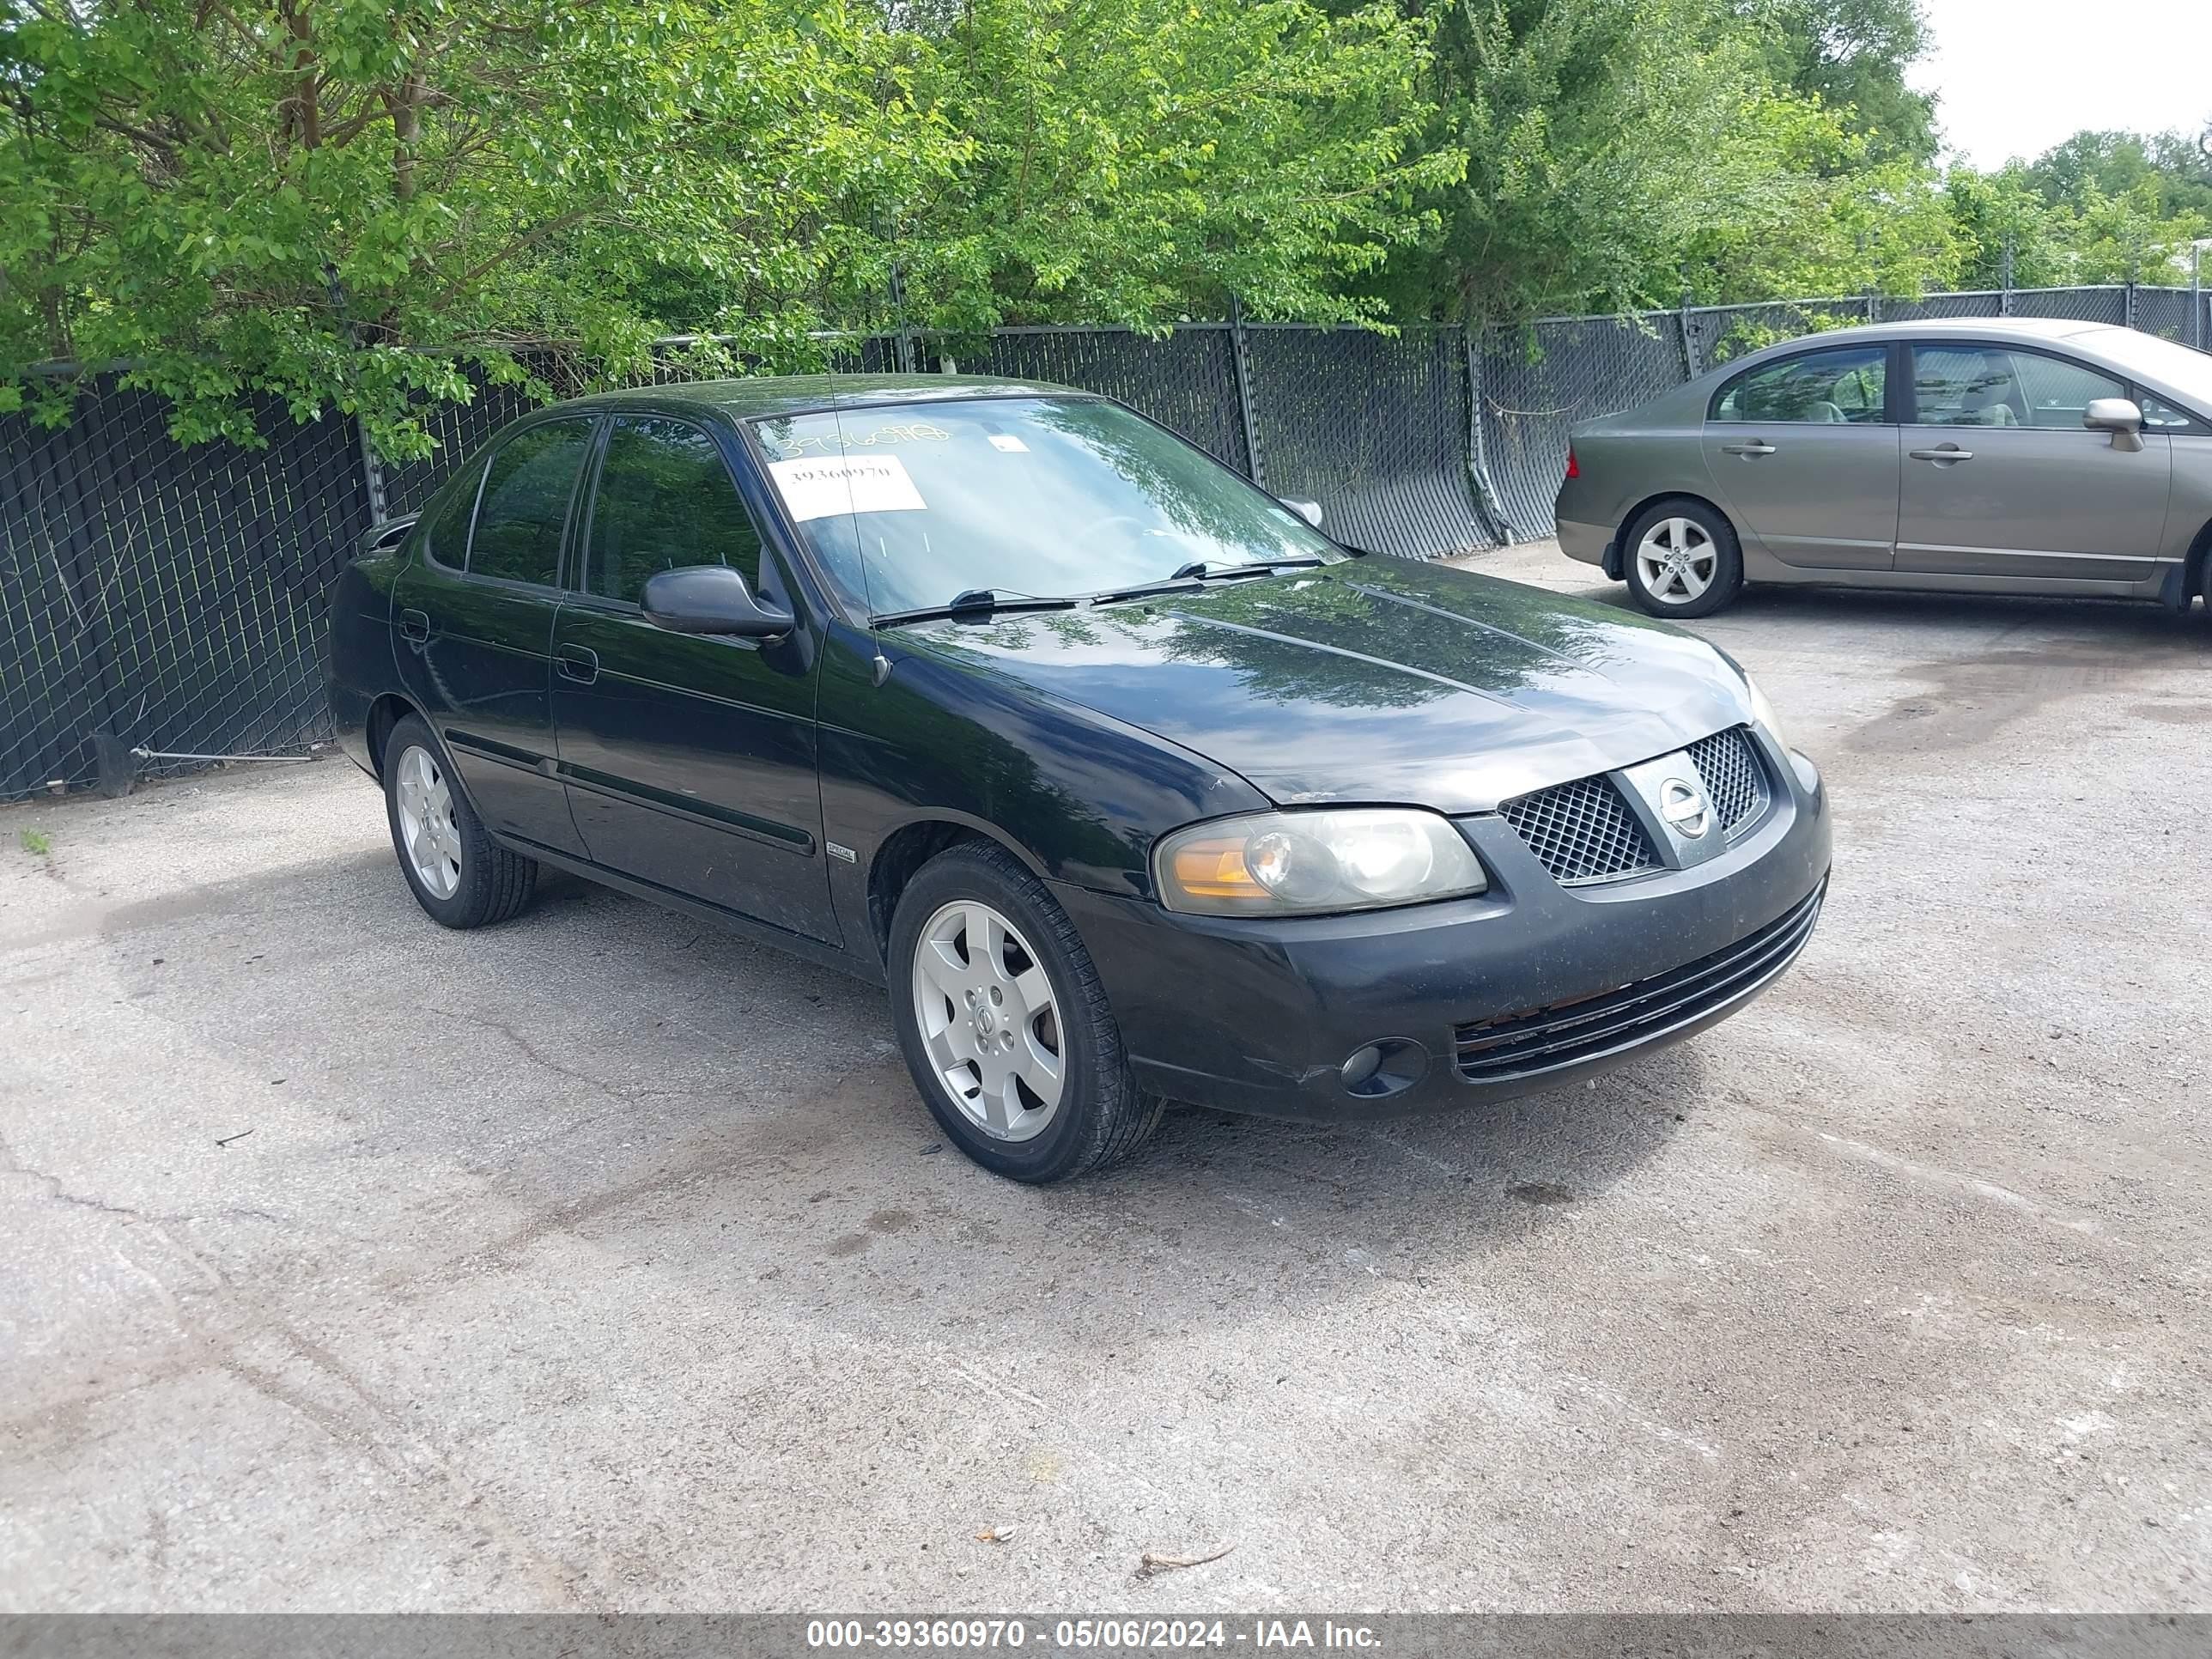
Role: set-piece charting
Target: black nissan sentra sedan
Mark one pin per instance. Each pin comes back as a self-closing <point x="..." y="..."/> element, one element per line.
<point x="1129" y="784"/>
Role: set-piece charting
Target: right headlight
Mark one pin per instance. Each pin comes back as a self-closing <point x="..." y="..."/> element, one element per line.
<point x="1310" y="863"/>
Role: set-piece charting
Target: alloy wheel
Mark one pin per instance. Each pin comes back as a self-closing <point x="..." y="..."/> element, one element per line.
<point x="1677" y="560"/>
<point x="990" y="1020"/>
<point x="431" y="838"/>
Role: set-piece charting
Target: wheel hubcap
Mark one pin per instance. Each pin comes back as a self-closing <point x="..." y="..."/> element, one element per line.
<point x="990" y="1020"/>
<point x="1677" y="560"/>
<point x="428" y="834"/>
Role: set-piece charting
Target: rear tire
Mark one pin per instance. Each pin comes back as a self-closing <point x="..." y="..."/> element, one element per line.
<point x="458" y="874"/>
<point x="1005" y="1025"/>
<point x="1681" y="559"/>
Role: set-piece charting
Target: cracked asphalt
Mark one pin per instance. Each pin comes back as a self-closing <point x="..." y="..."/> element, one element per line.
<point x="597" y="1261"/>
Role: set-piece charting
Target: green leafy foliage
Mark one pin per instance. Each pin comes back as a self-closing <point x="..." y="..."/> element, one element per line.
<point x="1850" y="55"/>
<point x="365" y="206"/>
<point x="344" y="204"/>
<point x="1142" y="160"/>
<point x="291" y="199"/>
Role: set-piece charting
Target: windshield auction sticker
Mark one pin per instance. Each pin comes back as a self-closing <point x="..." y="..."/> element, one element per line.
<point x="820" y="488"/>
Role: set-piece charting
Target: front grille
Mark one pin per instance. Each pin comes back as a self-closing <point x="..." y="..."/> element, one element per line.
<point x="1545" y="1039"/>
<point x="1735" y="783"/>
<point x="1581" y="831"/>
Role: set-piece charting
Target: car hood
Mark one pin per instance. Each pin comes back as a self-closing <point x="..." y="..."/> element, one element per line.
<point x="1375" y="680"/>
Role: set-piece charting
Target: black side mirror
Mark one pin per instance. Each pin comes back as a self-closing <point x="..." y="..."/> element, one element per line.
<point x="711" y="598"/>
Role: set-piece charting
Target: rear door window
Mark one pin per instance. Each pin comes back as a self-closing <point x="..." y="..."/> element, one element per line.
<point x="1842" y="385"/>
<point x="525" y="509"/>
<point x="448" y="526"/>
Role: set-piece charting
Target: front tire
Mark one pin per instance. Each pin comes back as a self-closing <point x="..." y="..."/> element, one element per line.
<point x="1005" y="1025"/>
<point x="458" y="874"/>
<point x="1681" y="559"/>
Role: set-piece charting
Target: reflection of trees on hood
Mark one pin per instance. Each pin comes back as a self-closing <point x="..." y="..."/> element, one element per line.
<point x="1287" y="670"/>
<point x="1317" y="637"/>
<point x="1590" y="634"/>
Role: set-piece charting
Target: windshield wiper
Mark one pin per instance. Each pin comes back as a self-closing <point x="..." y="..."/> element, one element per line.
<point x="1195" y="574"/>
<point x="975" y="602"/>
<point x="1260" y="566"/>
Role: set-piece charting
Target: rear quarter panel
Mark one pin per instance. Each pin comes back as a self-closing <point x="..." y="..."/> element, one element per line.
<point x="359" y="665"/>
<point x="1630" y="458"/>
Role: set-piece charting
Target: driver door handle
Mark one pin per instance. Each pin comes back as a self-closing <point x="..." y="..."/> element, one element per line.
<point x="1947" y="452"/>
<point x="579" y="663"/>
<point x="1756" y="446"/>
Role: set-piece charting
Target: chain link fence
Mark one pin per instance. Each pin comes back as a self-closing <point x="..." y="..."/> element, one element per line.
<point x="170" y="600"/>
<point x="1538" y="381"/>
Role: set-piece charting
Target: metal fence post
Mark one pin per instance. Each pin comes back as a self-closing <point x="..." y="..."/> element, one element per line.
<point x="1478" y="466"/>
<point x="372" y="476"/>
<point x="2004" y="281"/>
<point x="2196" y="295"/>
<point x="372" y="469"/>
<point x="1238" y="346"/>
<point x="1689" y="342"/>
<point x="2128" y="312"/>
<point x="1874" y="306"/>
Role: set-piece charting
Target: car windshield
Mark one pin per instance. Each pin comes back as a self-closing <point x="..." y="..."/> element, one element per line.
<point x="2186" y="372"/>
<point x="906" y="506"/>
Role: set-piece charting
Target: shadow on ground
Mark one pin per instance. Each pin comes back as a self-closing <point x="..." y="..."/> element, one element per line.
<point x="606" y="1074"/>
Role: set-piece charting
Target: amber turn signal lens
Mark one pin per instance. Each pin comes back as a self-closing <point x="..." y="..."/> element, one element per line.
<point x="1215" y="868"/>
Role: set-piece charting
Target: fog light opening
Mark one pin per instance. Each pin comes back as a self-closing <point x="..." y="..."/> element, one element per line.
<point x="1376" y="1069"/>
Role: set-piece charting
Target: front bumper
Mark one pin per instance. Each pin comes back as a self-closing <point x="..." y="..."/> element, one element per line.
<point x="1260" y="1016"/>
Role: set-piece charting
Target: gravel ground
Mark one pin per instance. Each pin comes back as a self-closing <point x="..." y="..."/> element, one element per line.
<point x="596" y="1261"/>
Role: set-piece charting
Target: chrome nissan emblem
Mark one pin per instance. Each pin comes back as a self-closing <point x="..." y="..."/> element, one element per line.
<point x="1683" y="805"/>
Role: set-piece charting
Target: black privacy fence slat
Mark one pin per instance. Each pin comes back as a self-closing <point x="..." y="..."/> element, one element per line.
<point x="1186" y="381"/>
<point x="173" y="598"/>
<point x="1373" y="427"/>
<point x="1538" y="382"/>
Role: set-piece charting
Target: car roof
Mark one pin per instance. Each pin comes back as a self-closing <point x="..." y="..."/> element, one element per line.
<point x="2019" y="330"/>
<point x="756" y="396"/>
<point x="1954" y="328"/>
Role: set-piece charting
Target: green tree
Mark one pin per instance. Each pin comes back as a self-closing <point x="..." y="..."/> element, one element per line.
<point x="2175" y="170"/>
<point x="345" y="202"/>
<point x="1623" y="152"/>
<point x="1598" y="134"/>
<point x="292" y="197"/>
<point x="1852" y="56"/>
<point x="1835" y="220"/>
<point x="2122" y="206"/>
<point x="2000" y="213"/>
<point x="1138" y="160"/>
